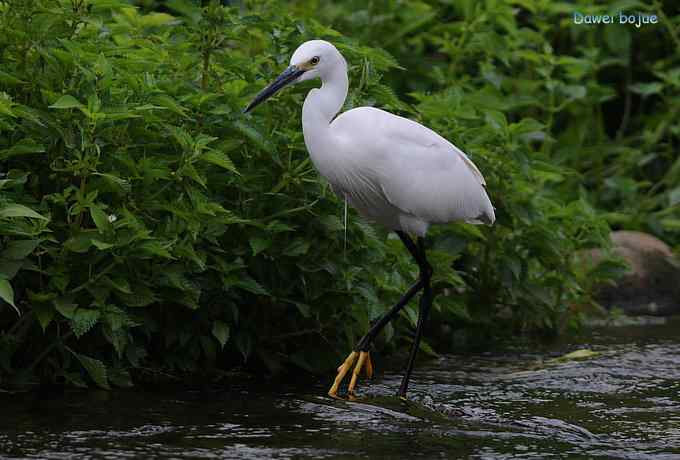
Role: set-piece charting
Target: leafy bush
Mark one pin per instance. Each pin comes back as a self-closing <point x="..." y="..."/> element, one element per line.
<point x="146" y="224"/>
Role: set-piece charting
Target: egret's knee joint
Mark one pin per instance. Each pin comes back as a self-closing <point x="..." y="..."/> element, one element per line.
<point x="426" y="271"/>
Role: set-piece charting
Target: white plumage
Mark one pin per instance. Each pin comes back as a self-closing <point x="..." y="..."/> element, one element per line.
<point x="394" y="171"/>
<point x="416" y="176"/>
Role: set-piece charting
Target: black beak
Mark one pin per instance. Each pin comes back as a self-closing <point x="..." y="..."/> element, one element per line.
<point x="287" y="77"/>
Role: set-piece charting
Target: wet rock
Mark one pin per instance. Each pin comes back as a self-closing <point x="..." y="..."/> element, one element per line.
<point x="651" y="286"/>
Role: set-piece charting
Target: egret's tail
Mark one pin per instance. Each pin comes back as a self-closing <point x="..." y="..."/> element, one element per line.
<point x="487" y="217"/>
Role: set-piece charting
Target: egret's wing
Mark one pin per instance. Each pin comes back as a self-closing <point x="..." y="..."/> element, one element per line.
<point x="423" y="174"/>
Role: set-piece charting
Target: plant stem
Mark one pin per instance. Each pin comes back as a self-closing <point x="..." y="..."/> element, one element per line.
<point x="668" y="24"/>
<point x="96" y="277"/>
<point x="47" y="350"/>
<point x="83" y="183"/>
<point x="206" y="66"/>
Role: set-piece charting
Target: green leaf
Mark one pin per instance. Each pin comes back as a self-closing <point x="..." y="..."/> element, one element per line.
<point x="141" y="297"/>
<point x="118" y="338"/>
<point x="23" y="147"/>
<point x="304" y="309"/>
<point x="526" y="126"/>
<point x="19" y="249"/>
<point x="101" y="220"/>
<point x="219" y="159"/>
<point x="45" y="314"/>
<point x="66" y="102"/>
<point x="412" y="315"/>
<point x="220" y="331"/>
<point x="101" y="245"/>
<point x="120" y="377"/>
<point x="168" y="102"/>
<point x="674" y="197"/>
<point x="578" y="354"/>
<point x="79" y="243"/>
<point x="427" y="349"/>
<point x="95" y="369"/>
<point x="122" y="183"/>
<point x="671" y="224"/>
<point x="258" y="244"/>
<point x="246" y="282"/>
<point x="189" y="299"/>
<point x="646" y="89"/>
<point x="254" y="135"/>
<point x="119" y="283"/>
<point x="9" y="79"/>
<point x="189" y="171"/>
<point x="496" y="119"/>
<point x="297" y="248"/>
<point x="244" y="344"/>
<point x="9" y="268"/>
<point x="82" y="320"/>
<point x="65" y="307"/>
<point x="7" y="294"/>
<point x="155" y="248"/>
<point x="19" y="210"/>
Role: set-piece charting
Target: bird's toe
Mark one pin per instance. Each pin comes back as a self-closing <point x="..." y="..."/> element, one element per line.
<point x="363" y="363"/>
<point x="342" y="371"/>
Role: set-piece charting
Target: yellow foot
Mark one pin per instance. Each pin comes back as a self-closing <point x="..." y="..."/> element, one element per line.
<point x="363" y="362"/>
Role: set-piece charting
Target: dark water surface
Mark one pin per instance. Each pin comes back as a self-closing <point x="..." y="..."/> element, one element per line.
<point x="623" y="402"/>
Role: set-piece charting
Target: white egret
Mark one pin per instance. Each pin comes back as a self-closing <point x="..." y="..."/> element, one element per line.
<point x="392" y="170"/>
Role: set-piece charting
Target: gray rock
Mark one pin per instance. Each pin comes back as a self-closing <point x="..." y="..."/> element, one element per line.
<point x="651" y="286"/>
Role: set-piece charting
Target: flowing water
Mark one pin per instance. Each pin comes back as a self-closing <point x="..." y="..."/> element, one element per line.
<point x="622" y="401"/>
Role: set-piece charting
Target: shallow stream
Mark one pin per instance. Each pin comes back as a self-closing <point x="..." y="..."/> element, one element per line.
<point x="623" y="401"/>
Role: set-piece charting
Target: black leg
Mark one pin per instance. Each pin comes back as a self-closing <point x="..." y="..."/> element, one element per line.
<point x="360" y="353"/>
<point x="373" y="332"/>
<point x="425" y="305"/>
<point x="412" y="248"/>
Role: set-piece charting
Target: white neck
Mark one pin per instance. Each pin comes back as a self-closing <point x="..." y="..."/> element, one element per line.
<point x="320" y="107"/>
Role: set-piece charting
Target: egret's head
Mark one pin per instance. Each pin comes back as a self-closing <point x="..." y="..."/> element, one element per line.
<point x="317" y="58"/>
<point x="312" y="59"/>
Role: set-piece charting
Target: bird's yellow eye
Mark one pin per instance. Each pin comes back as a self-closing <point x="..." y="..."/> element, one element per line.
<point x="315" y="60"/>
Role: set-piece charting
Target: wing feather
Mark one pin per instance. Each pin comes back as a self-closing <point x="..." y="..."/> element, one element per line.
<point x="432" y="178"/>
<point x="418" y="171"/>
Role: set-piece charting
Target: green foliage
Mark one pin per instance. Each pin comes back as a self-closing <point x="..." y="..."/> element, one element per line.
<point x="147" y="225"/>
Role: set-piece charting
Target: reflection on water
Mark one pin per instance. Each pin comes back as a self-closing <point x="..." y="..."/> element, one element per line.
<point x="623" y="402"/>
